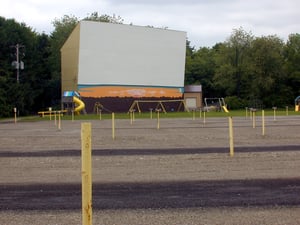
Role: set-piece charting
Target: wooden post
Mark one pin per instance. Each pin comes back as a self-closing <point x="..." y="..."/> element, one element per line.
<point x="15" y="112"/>
<point x="50" y="111"/>
<point x="59" y="121"/>
<point x="253" y="119"/>
<point x="158" y="125"/>
<point x="131" y="116"/>
<point x="231" y="152"/>
<point x="55" y="118"/>
<point x="72" y="115"/>
<point x="274" y="111"/>
<point x="113" y="125"/>
<point x="86" y="173"/>
<point x="263" y="122"/>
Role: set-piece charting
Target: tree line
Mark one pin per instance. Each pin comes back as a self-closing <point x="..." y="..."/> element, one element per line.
<point x="248" y="71"/>
<point x="244" y="69"/>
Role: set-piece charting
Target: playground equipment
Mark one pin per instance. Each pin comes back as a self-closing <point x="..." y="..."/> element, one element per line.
<point x="216" y="104"/>
<point x="297" y="104"/>
<point x="80" y="104"/>
<point x="71" y="101"/>
<point x="159" y="104"/>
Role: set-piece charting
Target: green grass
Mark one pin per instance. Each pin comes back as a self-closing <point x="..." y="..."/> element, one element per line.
<point x="104" y="116"/>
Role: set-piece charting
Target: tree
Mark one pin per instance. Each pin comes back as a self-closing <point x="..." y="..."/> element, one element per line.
<point x="292" y="65"/>
<point x="268" y="78"/>
<point x="232" y="63"/>
<point x="104" y="18"/>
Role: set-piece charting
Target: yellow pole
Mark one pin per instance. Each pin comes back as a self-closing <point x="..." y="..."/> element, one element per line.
<point x="72" y="115"/>
<point x="204" y="118"/>
<point x="100" y="114"/>
<point x="200" y="113"/>
<point x="151" y="114"/>
<point x="86" y="173"/>
<point x="231" y="137"/>
<point x="157" y="119"/>
<point x="15" y="112"/>
<point x="113" y="125"/>
<point x="263" y="122"/>
<point x="131" y="117"/>
<point x="59" y="121"/>
<point x="55" y="118"/>
<point x="274" y="112"/>
<point x="50" y="110"/>
<point x="253" y="119"/>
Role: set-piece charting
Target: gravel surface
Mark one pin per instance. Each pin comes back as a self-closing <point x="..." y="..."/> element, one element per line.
<point x="179" y="174"/>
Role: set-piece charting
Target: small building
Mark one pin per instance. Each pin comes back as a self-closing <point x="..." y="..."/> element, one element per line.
<point x="193" y="96"/>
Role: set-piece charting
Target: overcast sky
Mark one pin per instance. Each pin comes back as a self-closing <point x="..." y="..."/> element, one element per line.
<point x="206" y="22"/>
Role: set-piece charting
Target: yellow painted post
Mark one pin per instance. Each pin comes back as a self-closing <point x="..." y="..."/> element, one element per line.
<point x="50" y="110"/>
<point x="263" y="122"/>
<point x="204" y="118"/>
<point x="100" y="114"/>
<point x="158" y="125"/>
<point x="151" y="113"/>
<point x="15" y="112"/>
<point x="200" y="113"/>
<point x="253" y="119"/>
<point x="55" y="118"/>
<point x="131" y="117"/>
<point x="274" y="112"/>
<point x="113" y="125"/>
<point x="72" y="115"/>
<point x="59" y="121"/>
<point x="231" y="147"/>
<point x="86" y="173"/>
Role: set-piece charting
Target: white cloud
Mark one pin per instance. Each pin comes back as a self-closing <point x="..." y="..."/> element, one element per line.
<point x="205" y="21"/>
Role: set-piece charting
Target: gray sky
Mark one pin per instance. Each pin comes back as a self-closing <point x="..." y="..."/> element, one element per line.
<point x="206" y="22"/>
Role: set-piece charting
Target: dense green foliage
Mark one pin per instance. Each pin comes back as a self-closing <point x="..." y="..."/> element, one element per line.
<point x="244" y="69"/>
<point x="248" y="71"/>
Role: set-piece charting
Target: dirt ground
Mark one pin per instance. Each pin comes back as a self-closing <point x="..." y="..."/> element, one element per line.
<point x="181" y="173"/>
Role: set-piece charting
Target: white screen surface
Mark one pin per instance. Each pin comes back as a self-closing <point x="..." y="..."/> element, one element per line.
<point x="115" y="54"/>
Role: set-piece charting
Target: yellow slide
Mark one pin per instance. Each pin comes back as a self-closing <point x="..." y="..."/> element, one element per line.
<point x="80" y="104"/>
<point x="225" y="109"/>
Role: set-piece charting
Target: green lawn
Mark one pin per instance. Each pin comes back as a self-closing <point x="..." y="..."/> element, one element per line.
<point x="234" y="113"/>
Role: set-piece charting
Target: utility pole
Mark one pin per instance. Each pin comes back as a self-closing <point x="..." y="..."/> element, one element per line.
<point x="18" y="64"/>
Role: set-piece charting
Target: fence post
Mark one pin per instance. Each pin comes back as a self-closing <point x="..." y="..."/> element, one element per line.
<point x="231" y="136"/>
<point x="86" y="172"/>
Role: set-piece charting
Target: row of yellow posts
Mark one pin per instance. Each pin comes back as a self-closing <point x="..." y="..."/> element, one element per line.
<point x="87" y="161"/>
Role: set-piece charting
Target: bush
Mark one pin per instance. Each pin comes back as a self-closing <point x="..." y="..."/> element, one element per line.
<point x="234" y="102"/>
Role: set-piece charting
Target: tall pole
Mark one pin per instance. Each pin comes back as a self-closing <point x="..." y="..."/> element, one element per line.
<point x="18" y="64"/>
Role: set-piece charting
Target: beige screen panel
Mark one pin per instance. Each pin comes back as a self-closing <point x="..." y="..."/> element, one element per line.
<point x="114" y="54"/>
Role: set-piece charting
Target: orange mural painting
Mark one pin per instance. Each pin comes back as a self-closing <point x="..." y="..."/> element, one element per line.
<point x="129" y="91"/>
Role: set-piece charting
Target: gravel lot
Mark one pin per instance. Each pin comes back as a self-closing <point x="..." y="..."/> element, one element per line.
<point x="179" y="174"/>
